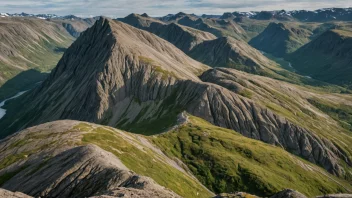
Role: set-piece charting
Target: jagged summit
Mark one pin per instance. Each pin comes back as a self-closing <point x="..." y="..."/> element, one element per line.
<point x="145" y="15"/>
<point x="108" y="63"/>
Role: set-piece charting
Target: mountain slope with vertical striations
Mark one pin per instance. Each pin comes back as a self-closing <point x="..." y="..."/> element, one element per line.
<point x="120" y="76"/>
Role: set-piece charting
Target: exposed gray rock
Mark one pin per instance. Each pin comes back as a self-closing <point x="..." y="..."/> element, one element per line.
<point x="136" y="77"/>
<point x="259" y="123"/>
<point x="288" y="193"/>
<point x="49" y="162"/>
<point x="81" y="172"/>
<point x="336" y="196"/>
<point x="8" y="194"/>
<point x="235" y="195"/>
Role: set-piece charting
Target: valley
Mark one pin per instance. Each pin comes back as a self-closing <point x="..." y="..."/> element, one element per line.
<point x="3" y="111"/>
<point x="243" y="104"/>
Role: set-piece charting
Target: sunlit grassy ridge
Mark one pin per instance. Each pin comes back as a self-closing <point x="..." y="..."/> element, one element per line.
<point x="142" y="161"/>
<point x="226" y="161"/>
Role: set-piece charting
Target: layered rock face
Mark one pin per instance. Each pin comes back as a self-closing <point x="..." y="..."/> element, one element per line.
<point x="264" y="125"/>
<point x="9" y="194"/>
<point x="112" y="64"/>
<point x="124" y="77"/>
<point x="326" y="58"/>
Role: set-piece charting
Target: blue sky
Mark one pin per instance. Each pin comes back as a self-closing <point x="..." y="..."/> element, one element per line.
<point x="121" y="8"/>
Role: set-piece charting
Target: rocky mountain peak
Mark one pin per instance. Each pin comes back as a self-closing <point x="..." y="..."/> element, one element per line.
<point x="145" y="15"/>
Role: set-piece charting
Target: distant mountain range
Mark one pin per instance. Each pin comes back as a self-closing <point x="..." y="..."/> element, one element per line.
<point x="320" y="15"/>
<point x="41" y="16"/>
<point x="176" y="106"/>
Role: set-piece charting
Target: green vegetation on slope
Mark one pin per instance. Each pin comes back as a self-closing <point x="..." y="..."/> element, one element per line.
<point x="327" y="58"/>
<point x="226" y="161"/>
<point x="142" y="162"/>
<point x="280" y="39"/>
<point x="339" y="112"/>
<point x="33" y="44"/>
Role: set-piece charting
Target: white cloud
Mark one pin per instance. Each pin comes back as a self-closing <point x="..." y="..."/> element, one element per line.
<point x="121" y="8"/>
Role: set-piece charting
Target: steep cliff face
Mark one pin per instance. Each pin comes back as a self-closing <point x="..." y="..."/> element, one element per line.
<point x="326" y="58"/>
<point x="290" y="101"/>
<point x="109" y="66"/>
<point x="280" y="39"/>
<point x="123" y="77"/>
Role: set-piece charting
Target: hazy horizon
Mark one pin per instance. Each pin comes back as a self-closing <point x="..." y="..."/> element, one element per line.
<point x="121" y="8"/>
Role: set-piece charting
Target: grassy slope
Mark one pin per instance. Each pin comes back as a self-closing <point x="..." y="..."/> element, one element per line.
<point x="327" y="58"/>
<point x="129" y="148"/>
<point x="142" y="162"/>
<point x="340" y="112"/>
<point x="47" y="53"/>
<point x="226" y="162"/>
<point x="281" y="39"/>
<point x="294" y="103"/>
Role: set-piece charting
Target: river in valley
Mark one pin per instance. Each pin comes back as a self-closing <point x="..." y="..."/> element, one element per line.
<point x="3" y="111"/>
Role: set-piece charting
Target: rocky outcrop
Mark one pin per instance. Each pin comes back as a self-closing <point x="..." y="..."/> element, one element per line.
<point x="235" y="195"/>
<point x="288" y="193"/>
<point x="8" y="194"/>
<point x="280" y="39"/>
<point x="265" y="125"/>
<point x="81" y="172"/>
<point x="53" y="160"/>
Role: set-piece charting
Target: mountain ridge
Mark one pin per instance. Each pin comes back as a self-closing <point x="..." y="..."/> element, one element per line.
<point x="135" y="87"/>
<point x="326" y="57"/>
